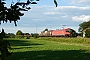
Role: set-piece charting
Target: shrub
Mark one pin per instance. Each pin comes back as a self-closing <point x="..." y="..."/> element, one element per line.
<point x="27" y="37"/>
<point x="19" y="36"/>
<point x="36" y="35"/>
<point x="88" y="33"/>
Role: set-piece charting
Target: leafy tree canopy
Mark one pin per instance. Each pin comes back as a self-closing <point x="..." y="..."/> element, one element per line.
<point x="46" y="29"/>
<point x="73" y="33"/>
<point x="14" y="12"/>
<point x="88" y="33"/>
<point x="19" y="32"/>
<point x="84" y="26"/>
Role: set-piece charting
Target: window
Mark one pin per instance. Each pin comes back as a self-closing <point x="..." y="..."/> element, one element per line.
<point x="67" y="30"/>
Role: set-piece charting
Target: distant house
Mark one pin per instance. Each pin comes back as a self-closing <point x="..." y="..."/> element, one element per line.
<point x="61" y="32"/>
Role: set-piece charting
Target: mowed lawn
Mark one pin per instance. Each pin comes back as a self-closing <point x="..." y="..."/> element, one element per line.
<point x="48" y="49"/>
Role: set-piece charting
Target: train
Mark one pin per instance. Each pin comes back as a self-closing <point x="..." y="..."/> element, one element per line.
<point x="57" y="32"/>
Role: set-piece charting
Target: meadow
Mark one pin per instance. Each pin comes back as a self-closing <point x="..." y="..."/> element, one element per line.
<point x="50" y="48"/>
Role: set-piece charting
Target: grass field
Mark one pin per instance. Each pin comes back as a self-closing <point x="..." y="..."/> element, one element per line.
<point x="50" y="49"/>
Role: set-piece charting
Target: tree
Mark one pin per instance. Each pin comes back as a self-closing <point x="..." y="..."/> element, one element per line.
<point x="46" y="29"/>
<point x="2" y="34"/>
<point x="36" y="35"/>
<point x="10" y="35"/>
<point x="14" y="12"/>
<point x="84" y="26"/>
<point x="19" y="32"/>
<point x="73" y="33"/>
<point x="87" y="33"/>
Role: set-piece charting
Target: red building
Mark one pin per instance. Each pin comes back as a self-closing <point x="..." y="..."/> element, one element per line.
<point x="62" y="32"/>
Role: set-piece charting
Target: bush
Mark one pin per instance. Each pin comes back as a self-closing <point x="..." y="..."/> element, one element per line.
<point x="27" y="37"/>
<point x="11" y="36"/>
<point x="19" y="36"/>
<point x="36" y="35"/>
<point x="73" y="33"/>
<point x="88" y="33"/>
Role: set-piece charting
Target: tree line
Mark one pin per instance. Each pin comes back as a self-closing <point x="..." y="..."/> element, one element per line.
<point x="20" y="34"/>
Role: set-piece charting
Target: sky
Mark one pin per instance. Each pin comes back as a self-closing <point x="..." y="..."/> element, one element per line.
<point x="68" y="14"/>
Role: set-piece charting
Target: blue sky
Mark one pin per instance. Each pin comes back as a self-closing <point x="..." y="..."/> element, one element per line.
<point x="45" y="15"/>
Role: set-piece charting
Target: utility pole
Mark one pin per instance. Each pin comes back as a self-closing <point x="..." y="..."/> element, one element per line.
<point x="63" y="30"/>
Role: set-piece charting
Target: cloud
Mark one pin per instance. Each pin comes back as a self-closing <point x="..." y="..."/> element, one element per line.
<point x="64" y="8"/>
<point x="81" y="18"/>
<point x="78" y="2"/>
<point x="81" y="1"/>
<point x="51" y="13"/>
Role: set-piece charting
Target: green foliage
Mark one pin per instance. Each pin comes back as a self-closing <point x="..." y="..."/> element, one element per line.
<point x="13" y="13"/>
<point x="84" y="25"/>
<point x="19" y="36"/>
<point x="19" y="32"/>
<point x="46" y="29"/>
<point x="80" y="34"/>
<point x="36" y="35"/>
<point x="27" y="37"/>
<point x="87" y="33"/>
<point x="10" y="35"/>
<point x="73" y="33"/>
<point x="2" y="34"/>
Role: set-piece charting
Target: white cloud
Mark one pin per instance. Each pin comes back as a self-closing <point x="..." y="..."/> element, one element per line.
<point x="71" y="7"/>
<point x="77" y="2"/>
<point x="81" y="18"/>
<point x="51" y="13"/>
<point x="80" y="1"/>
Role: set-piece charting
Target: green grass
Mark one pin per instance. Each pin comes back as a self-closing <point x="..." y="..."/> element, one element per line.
<point x="49" y="49"/>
